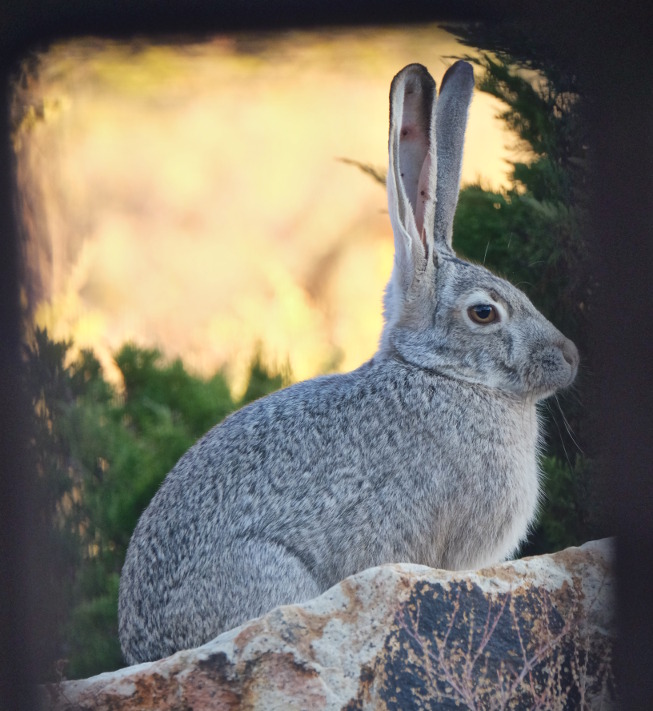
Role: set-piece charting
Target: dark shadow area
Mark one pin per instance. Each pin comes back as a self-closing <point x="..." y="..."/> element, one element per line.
<point x="610" y="50"/>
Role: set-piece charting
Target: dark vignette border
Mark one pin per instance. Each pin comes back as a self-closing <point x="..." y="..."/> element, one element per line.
<point x="610" y="46"/>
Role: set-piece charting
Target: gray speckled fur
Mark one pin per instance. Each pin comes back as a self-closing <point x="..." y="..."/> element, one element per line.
<point x="427" y="453"/>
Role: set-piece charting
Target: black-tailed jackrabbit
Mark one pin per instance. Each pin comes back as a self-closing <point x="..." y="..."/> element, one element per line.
<point x="427" y="453"/>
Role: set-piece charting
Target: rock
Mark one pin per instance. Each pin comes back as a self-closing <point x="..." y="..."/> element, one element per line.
<point x="531" y="633"/>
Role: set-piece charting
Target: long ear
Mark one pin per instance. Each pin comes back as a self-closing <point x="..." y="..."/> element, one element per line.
<point x="451" y="120"/>
<point x="411" y="172"/>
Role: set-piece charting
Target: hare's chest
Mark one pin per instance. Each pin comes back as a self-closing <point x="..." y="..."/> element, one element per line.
<point x="490" y="496"/>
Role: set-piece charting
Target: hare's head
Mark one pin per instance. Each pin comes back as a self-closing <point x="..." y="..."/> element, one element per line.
<point x="442" y="313"/>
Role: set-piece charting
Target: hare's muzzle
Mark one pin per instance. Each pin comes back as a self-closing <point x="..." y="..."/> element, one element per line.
<point x="552" y="365"/>
<point x="570" y="354"/>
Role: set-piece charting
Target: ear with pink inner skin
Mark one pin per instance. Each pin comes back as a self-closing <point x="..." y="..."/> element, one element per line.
<point x="411" y="173"/>
<point x="425" y="160"/>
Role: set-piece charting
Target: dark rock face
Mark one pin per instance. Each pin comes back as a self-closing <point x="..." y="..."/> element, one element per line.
<point x="521" y="649"/>
<point x="535" y="633"/>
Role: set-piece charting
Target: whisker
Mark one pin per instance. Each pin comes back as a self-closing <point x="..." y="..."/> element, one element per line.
<point x="562" y="442"/>
<point x="568" y="426"/>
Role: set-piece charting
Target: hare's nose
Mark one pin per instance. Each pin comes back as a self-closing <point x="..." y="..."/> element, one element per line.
<point x="570" y="353"/>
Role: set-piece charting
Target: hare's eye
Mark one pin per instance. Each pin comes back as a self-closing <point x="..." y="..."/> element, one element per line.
<point x="483" y="313"/>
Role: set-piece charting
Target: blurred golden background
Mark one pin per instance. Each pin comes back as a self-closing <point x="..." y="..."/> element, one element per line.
<point x="191" y="196"/>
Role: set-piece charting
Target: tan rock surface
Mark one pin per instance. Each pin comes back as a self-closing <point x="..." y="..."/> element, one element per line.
<point x="532" y="633"/>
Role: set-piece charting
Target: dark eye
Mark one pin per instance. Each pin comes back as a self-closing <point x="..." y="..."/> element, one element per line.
<point x="483" y="313"/>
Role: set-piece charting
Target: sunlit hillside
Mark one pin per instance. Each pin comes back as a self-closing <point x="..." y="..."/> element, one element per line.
<point x="192" y="196"/>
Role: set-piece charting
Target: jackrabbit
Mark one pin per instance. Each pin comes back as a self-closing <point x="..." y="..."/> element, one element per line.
<point x="427" y="453"/>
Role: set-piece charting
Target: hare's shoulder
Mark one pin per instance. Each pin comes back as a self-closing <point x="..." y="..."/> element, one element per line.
<point x="317" y="397"/>
<point x="278" y="417"/>
<point x="382" y="391"/>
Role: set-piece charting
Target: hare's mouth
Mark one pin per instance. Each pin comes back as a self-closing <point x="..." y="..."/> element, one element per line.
<point x="553" y="382"/>
<point x="550" y="370"/>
